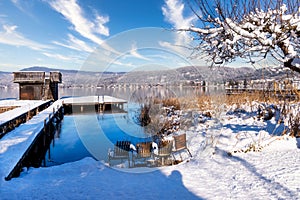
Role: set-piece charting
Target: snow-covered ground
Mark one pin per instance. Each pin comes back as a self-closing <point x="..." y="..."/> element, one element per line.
<point x="23" y="106"/>
<point x="219" y="169"/>
<point x="14" y="144"/>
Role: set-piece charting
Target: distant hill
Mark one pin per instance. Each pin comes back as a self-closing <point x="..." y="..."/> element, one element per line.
<point x="182" y="74"/>
<point x="47" y="69"/>
<point x="188" y="73"/>
<point x="4" y="72"/>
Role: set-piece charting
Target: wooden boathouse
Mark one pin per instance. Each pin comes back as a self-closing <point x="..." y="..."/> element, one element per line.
<point x="38" y="85"/>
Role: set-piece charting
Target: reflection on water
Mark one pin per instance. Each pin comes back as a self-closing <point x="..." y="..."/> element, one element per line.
<point x="92" y="135"/>
<point x="124" y="93"/>
<point x="9" y="93"/>
<point x="67" y="146"/>
<point x="84" y="135"/>
<point x="133" y="94"/>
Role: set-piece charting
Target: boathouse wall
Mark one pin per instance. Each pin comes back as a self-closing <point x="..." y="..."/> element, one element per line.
<point x="38" y="85"/>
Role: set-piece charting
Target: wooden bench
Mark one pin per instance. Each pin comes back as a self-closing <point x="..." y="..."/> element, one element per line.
<point x="164" y="152"/>
<point x="180" y="144"/>
<point x="120" y="152"/>
<point x="143" y="151"/>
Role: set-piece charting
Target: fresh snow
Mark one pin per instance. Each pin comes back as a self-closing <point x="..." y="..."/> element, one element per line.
<point x="14" y="144"/>
<point x="23" y="106"/>
<point x="272" y="172"/>
<point x="93" y="99"/>
<point x="252" y="37"/>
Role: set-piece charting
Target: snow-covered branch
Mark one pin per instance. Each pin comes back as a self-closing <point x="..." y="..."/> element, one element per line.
<point x="273" y="30"/>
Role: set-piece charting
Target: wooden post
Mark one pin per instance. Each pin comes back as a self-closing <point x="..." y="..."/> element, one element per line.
<point x="50" y="118"/>
<point x="45" y="133"/>
<point x="101" y="107"/>
<point x="45" y="125"/>
<point x="49" y="154"/>
<point x="53" y="143"/>
<point x="44" y="161"/>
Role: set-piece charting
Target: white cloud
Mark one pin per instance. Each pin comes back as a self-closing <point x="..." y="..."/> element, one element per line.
<point x="89" y="29"/>
<point x="75" y="44"/>
<point x="124" y="64"/>
<point x="17" y="3"/>
<point x="85" y="27"/>
<point x="61" y="58"/>
<point x="57" y="56"/>
<point x="173" y="12"/>
<point x="134" y="52"/>
<point x="24" y="6"/>
<point x="10" y="36"/>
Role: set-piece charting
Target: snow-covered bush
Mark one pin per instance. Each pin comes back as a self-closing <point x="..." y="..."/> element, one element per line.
<point x="295" y="125"/>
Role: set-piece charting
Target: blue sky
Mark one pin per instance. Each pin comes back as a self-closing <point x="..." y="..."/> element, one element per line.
<point x="65" y="33"/>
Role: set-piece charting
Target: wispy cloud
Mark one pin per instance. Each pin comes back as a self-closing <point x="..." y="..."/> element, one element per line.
<point x="17" y="3"/>
<point x="57" y="56"/>
<point x="75" y="44"/>
<point x="72" y="60"/>
<point x="173" y="10"/>
<point x="25" y="7"/>
<point x="134" y="52"/>
<point x="90" y="29"/>
<point x="10" y="36"/>
<point x="123" y="64"/>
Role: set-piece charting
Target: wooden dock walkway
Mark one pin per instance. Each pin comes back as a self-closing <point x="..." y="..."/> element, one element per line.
<point x="15" y="145"/>
<point x="93" y="103"/>
<point x="22" y="111"/>
<point x="20" y="146"/>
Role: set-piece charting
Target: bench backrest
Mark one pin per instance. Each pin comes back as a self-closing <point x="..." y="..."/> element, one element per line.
<point x="144" y="149"/>
<point x="166" y="149"/>
<point x="122" y="148"/>
<point x="180" y="142"/>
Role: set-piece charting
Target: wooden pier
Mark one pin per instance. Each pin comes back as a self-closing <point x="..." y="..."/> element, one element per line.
<point x="97" y="104"/>
<point x="291" y="94"/>
<point x="26" y="145"/>
<point x="18" y="112"/>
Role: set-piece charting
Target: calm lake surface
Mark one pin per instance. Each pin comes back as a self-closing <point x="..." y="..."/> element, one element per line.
<point x="124" y="93"/>
<point x="93" y="134"/>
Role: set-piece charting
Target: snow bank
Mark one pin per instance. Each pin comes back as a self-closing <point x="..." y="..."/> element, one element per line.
<point x="272" y="173"/>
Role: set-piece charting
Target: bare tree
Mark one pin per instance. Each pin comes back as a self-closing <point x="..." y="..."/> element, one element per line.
<point x="249" y="29"/>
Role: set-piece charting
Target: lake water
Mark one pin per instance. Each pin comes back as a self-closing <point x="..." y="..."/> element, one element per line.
<point x="92" y="134"/>
<point x="124" y="93"/>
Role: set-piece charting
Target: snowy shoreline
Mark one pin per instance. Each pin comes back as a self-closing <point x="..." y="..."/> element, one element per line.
<point x="272" y="172"/>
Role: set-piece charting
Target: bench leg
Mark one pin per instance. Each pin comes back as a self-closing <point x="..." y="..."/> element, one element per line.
<point x="189" y="152"/>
